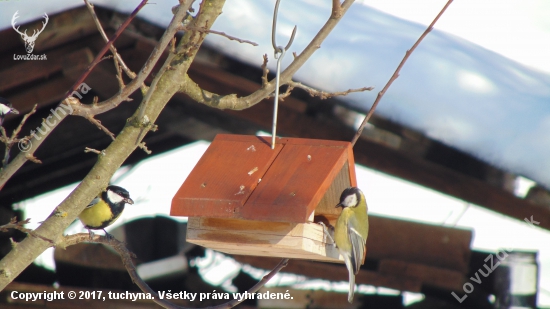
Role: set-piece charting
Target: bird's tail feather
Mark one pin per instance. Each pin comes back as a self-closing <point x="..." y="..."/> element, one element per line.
<point x="351" y="273"/>
<point x="351" y="286"/>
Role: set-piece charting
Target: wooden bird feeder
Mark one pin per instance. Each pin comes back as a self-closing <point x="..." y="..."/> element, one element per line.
<point x="245" y="198"/>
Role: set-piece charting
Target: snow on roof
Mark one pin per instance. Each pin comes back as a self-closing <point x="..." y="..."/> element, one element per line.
<point x="452" y="90"/>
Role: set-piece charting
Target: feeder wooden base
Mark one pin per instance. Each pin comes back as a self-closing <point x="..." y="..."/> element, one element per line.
<point x="261" y="238"/>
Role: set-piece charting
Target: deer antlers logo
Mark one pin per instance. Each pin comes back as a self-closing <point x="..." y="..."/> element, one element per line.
<point x="29" y="40"/>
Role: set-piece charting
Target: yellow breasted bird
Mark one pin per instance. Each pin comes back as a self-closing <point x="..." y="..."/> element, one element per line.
<point x="105" y="209"/>
<point x="351" y="232"/>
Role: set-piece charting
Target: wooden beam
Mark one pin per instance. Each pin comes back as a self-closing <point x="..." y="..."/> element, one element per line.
<point x="413" y="242"/>
<point x="450" y="182"/>
<point x="62" y="28"/>
<point x="51" y="90"/>
<point x="394" y="274"/>
<point x="44" y="94"/>
<point x="317" y="299"/>
<point x="26" y="72"/>
<point x="451" y="280"/>
<point x="334" y="272"/>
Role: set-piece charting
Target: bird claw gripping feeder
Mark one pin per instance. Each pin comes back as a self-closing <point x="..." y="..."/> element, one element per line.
<point x="245" y="198"/>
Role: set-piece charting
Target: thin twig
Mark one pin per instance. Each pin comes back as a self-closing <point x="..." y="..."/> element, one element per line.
<point x="143" y="147"/>
<point x="323" y="94"/>
<point x="283" y="96"/>
<point x="25" y="117"/>
<point x="100" y="126"/>
<point x="204" y="30"/>
<point x="106" y="47"/>
<point x="127" y="256"/>
<point x="88" y="149"/>
<point x="164" y="41"/>
<point x="119" y="77"/>
<point x="234" y="102"/>
<point x="149" y="93"/>
<point x="5" y="138"/>
<point x="265" y="71"/>
<point x="118" y="58"/>
<point x="166" y="38"/>
<point x="7" y="142"/>
<point x="14" y="224"/>
<point x="336" y="9"/>
<point x="32" y="158"/>
<point x="396" y="74"/>
<point x="173" y="45"/>
<point x="10" y="141"/>
<point x="84" y="110"/>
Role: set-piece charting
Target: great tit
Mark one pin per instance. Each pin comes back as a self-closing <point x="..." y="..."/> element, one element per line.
<point x="105" y="209"/>
<point x="6" y="108"/>
<point x="351" y="232"/>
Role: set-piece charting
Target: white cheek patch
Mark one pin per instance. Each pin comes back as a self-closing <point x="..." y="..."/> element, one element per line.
<point x="350" y="201"/>
<point x="113" y="197"/>
<point x="4" y="109"/>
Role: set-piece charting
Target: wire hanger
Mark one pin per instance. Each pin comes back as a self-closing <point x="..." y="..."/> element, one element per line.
<point x="279" y="53"/>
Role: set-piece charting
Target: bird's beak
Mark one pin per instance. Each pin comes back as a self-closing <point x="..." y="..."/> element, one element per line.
<point x="129" y="201"/>
<point x="339" y="205"/>
<point x="14" y="111"/>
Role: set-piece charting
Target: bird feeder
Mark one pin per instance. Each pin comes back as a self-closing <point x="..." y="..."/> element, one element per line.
<point x="245" y="198"/>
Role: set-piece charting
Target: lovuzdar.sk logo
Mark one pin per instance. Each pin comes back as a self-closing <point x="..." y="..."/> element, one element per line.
<point x="29" y="39"/>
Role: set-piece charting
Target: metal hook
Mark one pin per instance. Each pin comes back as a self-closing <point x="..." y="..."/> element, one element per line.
<point x="279" y="53"/>
<point x="276" y="99"/>
<point x="278" y="49"/>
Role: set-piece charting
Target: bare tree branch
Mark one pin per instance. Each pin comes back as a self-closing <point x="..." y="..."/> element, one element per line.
<point x="9" y="141"/>
<point x="100" y="126"/>
<point x="84" y="110"/>
<point x="126" y="257"/>
<point x="88" y="149"/>
<point x="323" y="94"/>
<point x="231" y="101"/>
<point x="107" y="46"/>
<point x="32" y="158"/>
<point x="115" y="154"/>
<point x="9" y="170"/>
<point x="396" y="74"/>
<point x="265" y="71"/>
<point x="336" y="9"/>
<point x="118" y="59"/>
<point x="167" y="82"/>
<point x="111" y="103"/>
<point x="20" y="226"/>
<point x="188" y="28"/>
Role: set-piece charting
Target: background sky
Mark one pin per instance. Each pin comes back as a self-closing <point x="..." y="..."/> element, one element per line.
<point x="519" y="30"/>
